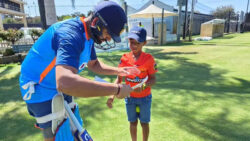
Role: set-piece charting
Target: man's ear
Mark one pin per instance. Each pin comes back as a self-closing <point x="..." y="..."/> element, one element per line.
<point x="94" y="22"/>
<point x="144" y="43"/>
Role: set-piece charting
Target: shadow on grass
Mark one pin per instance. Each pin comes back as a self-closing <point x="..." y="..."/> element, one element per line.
<point x="174" y="44"/>
<point x="6" y="70"/>
<point x="227" y="36"/>
<point x="15" y="126"/>
<point x="180" y="44"/>
<point x="9" y="88"/>
<point x="211" y="128"/>
<point x="194" y="76"/>
<point x="185" y="77"/>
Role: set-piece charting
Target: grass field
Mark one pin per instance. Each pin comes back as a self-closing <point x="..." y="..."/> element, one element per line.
<point x="202" y="94"/>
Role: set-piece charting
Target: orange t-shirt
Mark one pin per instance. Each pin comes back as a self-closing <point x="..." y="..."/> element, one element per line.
<point x="147" y="66"/>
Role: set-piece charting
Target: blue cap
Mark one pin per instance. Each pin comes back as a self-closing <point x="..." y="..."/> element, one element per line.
<point x="138" y="33"/>
<point x="113" y="17"/>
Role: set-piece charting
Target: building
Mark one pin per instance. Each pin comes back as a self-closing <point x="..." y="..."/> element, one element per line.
<point x="171" y="22"/>
<point x="153" y="25"/>
<point x="199" y="18"/>
<point x="12" y="7"/>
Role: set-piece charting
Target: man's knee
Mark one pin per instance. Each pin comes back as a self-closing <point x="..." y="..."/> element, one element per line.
<point x="50" y="139"/>
<point x="48" y="134"/>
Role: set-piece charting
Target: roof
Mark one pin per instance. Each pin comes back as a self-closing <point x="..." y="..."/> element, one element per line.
<point x="152" y="11"/>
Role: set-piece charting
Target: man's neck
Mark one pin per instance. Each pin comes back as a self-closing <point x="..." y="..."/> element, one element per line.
<point x="88" y="24"/>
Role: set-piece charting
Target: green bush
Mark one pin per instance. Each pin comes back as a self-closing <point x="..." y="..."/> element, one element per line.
<point x="11" y="35"/>
<point x="8" y="52"/>
<point x="35" y="34"/>
<point x="3" y="35"/>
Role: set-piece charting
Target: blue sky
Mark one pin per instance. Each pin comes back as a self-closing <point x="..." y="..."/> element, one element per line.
<point x="64" y="6"/>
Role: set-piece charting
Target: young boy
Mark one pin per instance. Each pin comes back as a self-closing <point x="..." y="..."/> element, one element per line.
<point x="138" y="105"/>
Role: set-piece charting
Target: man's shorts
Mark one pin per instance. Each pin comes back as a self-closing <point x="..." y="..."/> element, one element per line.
<point x="145" y="108"/>
<point x="42" y="109"/>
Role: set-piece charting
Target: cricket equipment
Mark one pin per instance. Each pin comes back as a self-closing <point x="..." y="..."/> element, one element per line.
<point x="141" y="83"/>
<point x="81" y="134"/>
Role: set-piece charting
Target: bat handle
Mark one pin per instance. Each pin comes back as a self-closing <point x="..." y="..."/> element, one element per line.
<point x="72" y="117"/>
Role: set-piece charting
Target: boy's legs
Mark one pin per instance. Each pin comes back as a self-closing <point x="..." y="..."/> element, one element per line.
<point x="145" y="112"/>
<point x="132" y="117"/>
<point x="133" y="130"/>
<point x="145" y="131"/>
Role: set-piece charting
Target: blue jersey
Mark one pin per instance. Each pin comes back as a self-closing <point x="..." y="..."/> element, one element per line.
<point x="64" y="43"/>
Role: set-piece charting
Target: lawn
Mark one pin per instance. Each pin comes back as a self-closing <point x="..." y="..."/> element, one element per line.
<point x="202" y="94"/>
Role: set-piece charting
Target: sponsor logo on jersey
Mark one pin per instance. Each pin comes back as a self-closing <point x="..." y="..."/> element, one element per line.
<point x="135" y="80"/>
<point x="82" y="66"/>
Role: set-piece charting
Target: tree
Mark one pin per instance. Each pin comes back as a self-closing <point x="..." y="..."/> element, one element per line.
<point x="63" y="17"/>
<point x="3" y="35"/>
<point x="224" y="11"/>
<point x="10" y="21"/>
<point x="11" y="35"/>
<point x="34" y="20"/>
<point x="35" y="34"/>
<point x="78" y="14"/>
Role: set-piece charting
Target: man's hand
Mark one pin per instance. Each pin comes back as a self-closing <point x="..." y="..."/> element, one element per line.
<point x="125" y="90"/>
<point x="124" y="71"/>
<point x="110" y="102"/>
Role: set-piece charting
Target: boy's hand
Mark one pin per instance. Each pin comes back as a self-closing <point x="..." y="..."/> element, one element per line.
<point x="138" y="90"/>
<point x="110" y="102"/>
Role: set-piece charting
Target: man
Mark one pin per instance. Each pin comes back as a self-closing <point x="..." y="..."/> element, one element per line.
<point x="138" y="105"/>
<point x="53" y="63"/>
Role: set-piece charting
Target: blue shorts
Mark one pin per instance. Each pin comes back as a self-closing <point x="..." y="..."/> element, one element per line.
<point x="145" y="108"/>
<point x="42" y="109"/>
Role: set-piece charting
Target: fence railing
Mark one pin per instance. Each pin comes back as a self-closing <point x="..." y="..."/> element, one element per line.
<point x="22" y="45"/>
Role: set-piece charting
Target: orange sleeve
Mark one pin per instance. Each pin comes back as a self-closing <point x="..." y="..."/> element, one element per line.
<point x="122" y="63"/>
<point x="152" y="66"/>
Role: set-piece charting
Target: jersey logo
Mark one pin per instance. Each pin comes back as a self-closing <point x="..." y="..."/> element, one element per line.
<point x="82" y="66"/>
<point x="136" y="80"/>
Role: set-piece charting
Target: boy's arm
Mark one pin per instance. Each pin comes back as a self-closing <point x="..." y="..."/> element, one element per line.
<point x="151" y="80"/>
<point x="112" y="97"/>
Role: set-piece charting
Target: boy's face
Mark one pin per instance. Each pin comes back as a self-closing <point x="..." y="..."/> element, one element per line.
<point x="135" y="46"/>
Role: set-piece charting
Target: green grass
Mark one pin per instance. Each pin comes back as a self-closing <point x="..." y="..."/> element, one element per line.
<point x="202" y="93"/>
